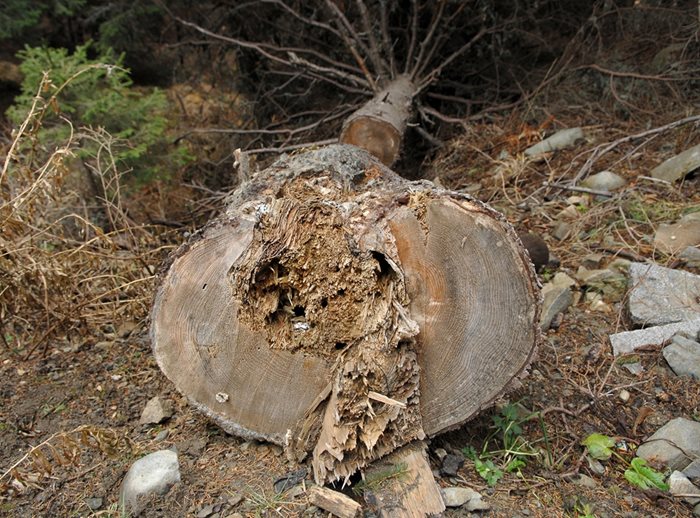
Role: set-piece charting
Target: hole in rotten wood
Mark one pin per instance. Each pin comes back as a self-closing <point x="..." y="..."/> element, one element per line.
<point x="204" y="287"/>
<point x="299" y="311"/>
<point x="339" y="346"/>
<point x="324" y="302"/>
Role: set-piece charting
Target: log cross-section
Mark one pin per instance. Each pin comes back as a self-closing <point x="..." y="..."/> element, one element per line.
<point x="342" y="311"/>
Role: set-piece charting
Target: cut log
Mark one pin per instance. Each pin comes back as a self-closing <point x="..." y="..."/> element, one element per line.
<point x="402" y="485"/>
<point x="342" y="311"/>
<point x="378" y="126"/>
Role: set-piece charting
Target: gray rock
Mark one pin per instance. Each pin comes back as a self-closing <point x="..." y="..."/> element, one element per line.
<point x="156" y="411"/>
<point x="155" y="473"/>
<point x="677" y="167"/>
<point x="661" y="295"/>
<point x="680" y="485"/>
<point x="674" y="238"/>
<point x="162" y="435"/>
<point x="94" y="503"/>
<point x="592" y="261"/>
<point x="585" y="481"/>
<point x="561" y="230"/>
<point x="608" y="282"/>
<point x="458" y="496"/>
<point x="627" y="342"/>
<point x="683" y="356"/>
<point x="691" y="256"/>
<point x="604" y="181"/>
<point x="451" y="465"/>
<point x="692" y="471"/>
<point x="440" y="453"/>
<point x="557" y="297"/>
<point x="560" y="140"/>
<point x="675" y="444"/>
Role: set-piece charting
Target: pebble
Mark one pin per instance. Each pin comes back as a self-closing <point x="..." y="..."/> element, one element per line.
<point x="155" y="473"/>
<point x="463" y="496"/>
<point x="162" y="435"/>
<point x="678" y="166"/>
<point x="675" y="444"/>
<point x="604" y="181"/>
<point x="680" y="485"/>
<point x="585" y="481"/>
<point x="94" y="503"/>
<point x="624" y="395"/>
<point x="562" y="139"/>
<point x="451" y="464"/>
<point x="156" y="411"/>
<point x="628" y="341"/>
<point x="683" y="356"/>
<point x="557" y="297"/>
<point x="561" y="230"/>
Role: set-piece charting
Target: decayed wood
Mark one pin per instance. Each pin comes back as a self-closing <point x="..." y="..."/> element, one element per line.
<point x="402" y="485"/>
<point x="334" y="502"/>
<point x="344" y="312"/>
<point x="378" y="126"/>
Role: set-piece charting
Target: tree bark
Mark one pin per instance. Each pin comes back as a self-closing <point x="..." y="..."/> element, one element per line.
<point x="342" y="311"/>
<point x="378" y="126"/>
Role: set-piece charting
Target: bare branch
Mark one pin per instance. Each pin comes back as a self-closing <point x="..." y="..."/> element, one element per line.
<point x="437" y="17"/>
<point x="374" y="52"/>
<point x="296" y="60"/>
<point x="438" y="70"/>
<point x="414" y="36"/>
<point x="386" y="40"/>
<point x="350" y="36"/>
<point x="292" y="147"/>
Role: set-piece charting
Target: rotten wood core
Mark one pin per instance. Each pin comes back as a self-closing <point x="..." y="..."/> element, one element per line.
<point x="343" y="312"/>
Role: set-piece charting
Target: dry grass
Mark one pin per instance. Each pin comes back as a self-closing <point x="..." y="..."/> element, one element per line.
<point x="71" y="259"/>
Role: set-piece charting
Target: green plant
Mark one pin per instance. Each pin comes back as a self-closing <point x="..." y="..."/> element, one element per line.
<point x="638" y="473"/>
<point x="511" y="448"/>
<point x="97" y="93"/>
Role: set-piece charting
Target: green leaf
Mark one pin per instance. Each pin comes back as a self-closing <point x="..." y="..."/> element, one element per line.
<point x="643" y="476"/>
<point x="514" y="465"/>
<point x="599" y="446"/>
<point x="488" y="471"/>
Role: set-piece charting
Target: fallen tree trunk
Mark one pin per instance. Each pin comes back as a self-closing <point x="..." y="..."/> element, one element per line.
<point x="342" y="311"/>
<point x="379" y="125"/>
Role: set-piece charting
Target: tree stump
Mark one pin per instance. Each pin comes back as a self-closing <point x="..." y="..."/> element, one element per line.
<point x="342" y="311"/>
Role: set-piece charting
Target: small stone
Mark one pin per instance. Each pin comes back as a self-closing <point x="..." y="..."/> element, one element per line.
<point x="585" y="481"/>
<point x="458" y="496"/>
<point x="624" y="395"/>
<point x="155" y="473"/>
<point x="561" y="230"/>
<point x="569" y="212"/>
<point x="596" y="466"/>
<point x="661" y="295"/>
<point x="592" y="261"/>
<point x="94" y="503"/>
<point x="440" y="453"/>
<point x="691" y="256"/>
<point x="206" y="511"/>
<point x="692" y="471"/>
<point x="234" y="499"/>
<point x="557" y="297"/>
<point x="677" y="167"/>
<point x="611" y="284"/>
<point x="562" y="139"/>
<point x="683" y="356"/>
<point x="604" y="181"/>
<point x="674" y="238"/>
<point x="290" y="480"/>
<point x="680" y="485"/>
<point x="156" y="411"/>
<point x="125" y="329"/>
<point x="451" y="465"/>
<point x="477" y="504"/>
<point x="162" y="435"/>
<point x="675" y="444"/>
